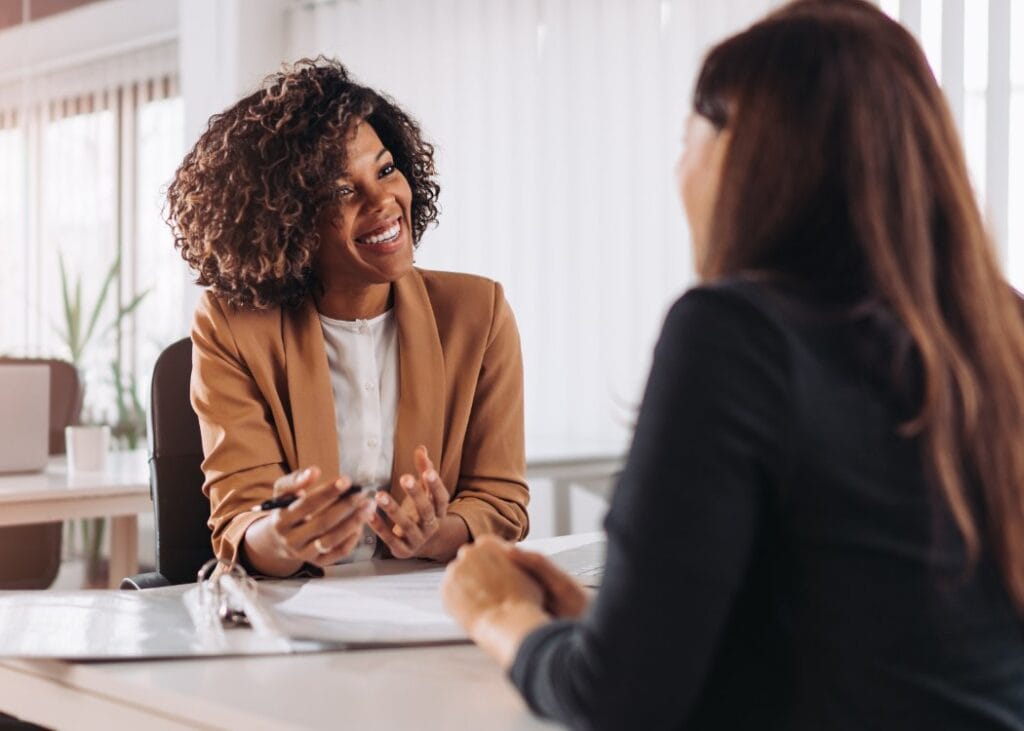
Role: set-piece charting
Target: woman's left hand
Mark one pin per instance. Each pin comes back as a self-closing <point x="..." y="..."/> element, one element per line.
<point x="496" y="602"/>
<point x="414" y="527"/>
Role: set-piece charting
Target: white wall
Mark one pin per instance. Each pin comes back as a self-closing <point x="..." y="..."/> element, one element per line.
<point x="89" y="31"/>
<point x="557" y="123"/>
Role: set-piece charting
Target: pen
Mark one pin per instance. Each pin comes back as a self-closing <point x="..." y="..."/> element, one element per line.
<point x="283" y="501"/>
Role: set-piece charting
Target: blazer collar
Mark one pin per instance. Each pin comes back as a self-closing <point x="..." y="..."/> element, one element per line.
<point x="421" y="378"/>
<point x="309" y="391"/>
<point x="421" y="384"/>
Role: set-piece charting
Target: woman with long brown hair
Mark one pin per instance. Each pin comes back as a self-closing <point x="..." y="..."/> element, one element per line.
<point x="821" y="521"/>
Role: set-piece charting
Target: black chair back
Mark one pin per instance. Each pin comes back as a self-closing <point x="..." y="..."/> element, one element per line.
<point x="176" y="478"/>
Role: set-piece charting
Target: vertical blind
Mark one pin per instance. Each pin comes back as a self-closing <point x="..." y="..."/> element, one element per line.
<point x="976" y="49"/>
<point x="557" y="123"/>
<point x="81" y="148"/>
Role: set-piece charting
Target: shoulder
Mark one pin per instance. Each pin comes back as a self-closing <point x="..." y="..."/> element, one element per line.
<point x="214" y="310"/>
<point x="729" y="307"/>
<point x="448" y="287"/>
<point x="726" y="332"/>
<point x="218" y="324"/>
<point x="466" y="302"/>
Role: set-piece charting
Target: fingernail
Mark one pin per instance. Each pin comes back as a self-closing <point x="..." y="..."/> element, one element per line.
<point x="304" y="475"/>
<point x="407" y="481"/>
<point x="383" y="498"/>
<point x="431" y="475"/>
<point x="369" y="509"/>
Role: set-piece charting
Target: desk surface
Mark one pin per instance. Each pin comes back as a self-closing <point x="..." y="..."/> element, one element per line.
<point x="444" y="687"/>
<point x="120" y="491"/>
<point x="127" y="474"/>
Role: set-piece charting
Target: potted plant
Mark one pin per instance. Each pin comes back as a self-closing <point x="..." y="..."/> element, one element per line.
<point x="81" y="328"/>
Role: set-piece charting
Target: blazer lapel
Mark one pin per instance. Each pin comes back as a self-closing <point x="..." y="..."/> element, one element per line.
<point x="310" y="391"/>
<point x="421" y="379"/>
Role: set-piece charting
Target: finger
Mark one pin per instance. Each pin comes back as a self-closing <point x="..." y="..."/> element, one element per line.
<point x="539" y="566"/>
<point x="438" y="492"/>
<point x="403" y="524"/>
<point x="398" y="547"/>
<point x="421" y="459"/>
<point x="312" y="502"/>
<point x="343" y="538"/>
<point x="328" y="519"/>
<point x="543" y="570"/>
<point x="425" y="514"/>
<point x="297" y="480"/>
<point x="336" y="554"/>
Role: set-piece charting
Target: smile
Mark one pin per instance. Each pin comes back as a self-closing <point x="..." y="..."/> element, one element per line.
<point x="383" y="235"/>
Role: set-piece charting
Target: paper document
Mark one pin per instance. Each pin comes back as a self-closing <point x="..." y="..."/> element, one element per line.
<point x="391" y="602"/>
<point x="394" y="602"/>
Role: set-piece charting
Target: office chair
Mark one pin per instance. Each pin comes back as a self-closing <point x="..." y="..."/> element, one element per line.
<point x="30" y="554"/>
<point x="175" y="475"/>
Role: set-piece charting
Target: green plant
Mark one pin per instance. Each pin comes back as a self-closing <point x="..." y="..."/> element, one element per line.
<point x="79" y="331"/>
<point x="75" y="337"/>
<point x="131" y="417"/>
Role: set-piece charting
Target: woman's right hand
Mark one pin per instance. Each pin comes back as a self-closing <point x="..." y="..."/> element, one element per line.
<point x="318" y="528"/>
<point x="563" y="596"/>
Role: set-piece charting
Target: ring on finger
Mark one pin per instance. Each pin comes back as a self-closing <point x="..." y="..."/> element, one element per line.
<point x="320" y="547"/>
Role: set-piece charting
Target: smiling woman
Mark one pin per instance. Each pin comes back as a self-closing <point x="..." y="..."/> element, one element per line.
<point x="322" y="356"/>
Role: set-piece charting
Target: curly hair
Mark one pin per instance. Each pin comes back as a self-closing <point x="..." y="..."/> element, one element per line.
<point x="243" y="205"/>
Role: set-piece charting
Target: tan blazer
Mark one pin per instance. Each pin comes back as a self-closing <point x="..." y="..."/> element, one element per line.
<point x="261" y="387"/>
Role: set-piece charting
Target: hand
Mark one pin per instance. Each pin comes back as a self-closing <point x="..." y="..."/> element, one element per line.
<point x="563" y="595"/>
<point x="317" y="528"/>
<point x="492" y="598"/>
<point x="411" y="527"/>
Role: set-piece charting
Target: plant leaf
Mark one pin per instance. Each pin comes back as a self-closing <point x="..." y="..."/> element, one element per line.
<point x="127" y="309"/>
<point x="66" y="299"/>
<point x="98" y="307"/>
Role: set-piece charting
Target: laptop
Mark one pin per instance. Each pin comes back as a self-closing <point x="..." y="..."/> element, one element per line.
<point x="24" y="417"/>
<point x="585" y="562"/>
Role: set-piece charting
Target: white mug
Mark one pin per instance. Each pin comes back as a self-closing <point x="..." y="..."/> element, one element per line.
<point x="87" y="447"/>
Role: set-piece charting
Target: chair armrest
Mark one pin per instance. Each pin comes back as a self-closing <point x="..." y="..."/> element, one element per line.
<point x="148" y="580"/>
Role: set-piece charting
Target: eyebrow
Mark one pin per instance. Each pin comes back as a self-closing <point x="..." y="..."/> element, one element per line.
<point x="383" y="151"/>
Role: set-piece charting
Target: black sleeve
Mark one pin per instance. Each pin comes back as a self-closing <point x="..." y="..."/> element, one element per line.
<point x="711" y="432"/>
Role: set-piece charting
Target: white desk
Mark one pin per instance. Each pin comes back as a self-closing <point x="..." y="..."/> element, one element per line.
<point x="586" y="463"/>
<point x="120" y="491"/>
<point x="450" y="687"/>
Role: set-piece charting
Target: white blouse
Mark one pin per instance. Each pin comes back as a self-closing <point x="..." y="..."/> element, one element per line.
<point x="363" y="359"/>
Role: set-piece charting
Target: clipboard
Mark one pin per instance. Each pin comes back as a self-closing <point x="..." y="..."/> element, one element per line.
<point x="167" y="622"/>
<point x="226" y="613"/>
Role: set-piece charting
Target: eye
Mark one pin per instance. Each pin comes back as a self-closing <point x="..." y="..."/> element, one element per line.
<point x="387" y="170"/>
<point x="343" y="191"/>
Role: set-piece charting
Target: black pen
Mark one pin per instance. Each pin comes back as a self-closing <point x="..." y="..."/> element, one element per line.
<point x="283" y="501"/>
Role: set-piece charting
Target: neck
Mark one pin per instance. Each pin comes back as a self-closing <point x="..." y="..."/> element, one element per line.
<point x="355" y="303"/>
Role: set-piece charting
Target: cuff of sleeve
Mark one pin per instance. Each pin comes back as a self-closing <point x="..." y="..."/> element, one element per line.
<point x="530" y="654"/>
<point x="476" y="522"/>
<point x="481" y="519"/>
<point x="229" y="543"/>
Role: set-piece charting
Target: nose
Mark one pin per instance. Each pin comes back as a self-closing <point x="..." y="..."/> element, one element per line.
<point x="378" y="196"/>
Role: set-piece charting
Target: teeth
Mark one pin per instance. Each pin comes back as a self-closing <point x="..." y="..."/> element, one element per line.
<point x="389" y="235"/>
